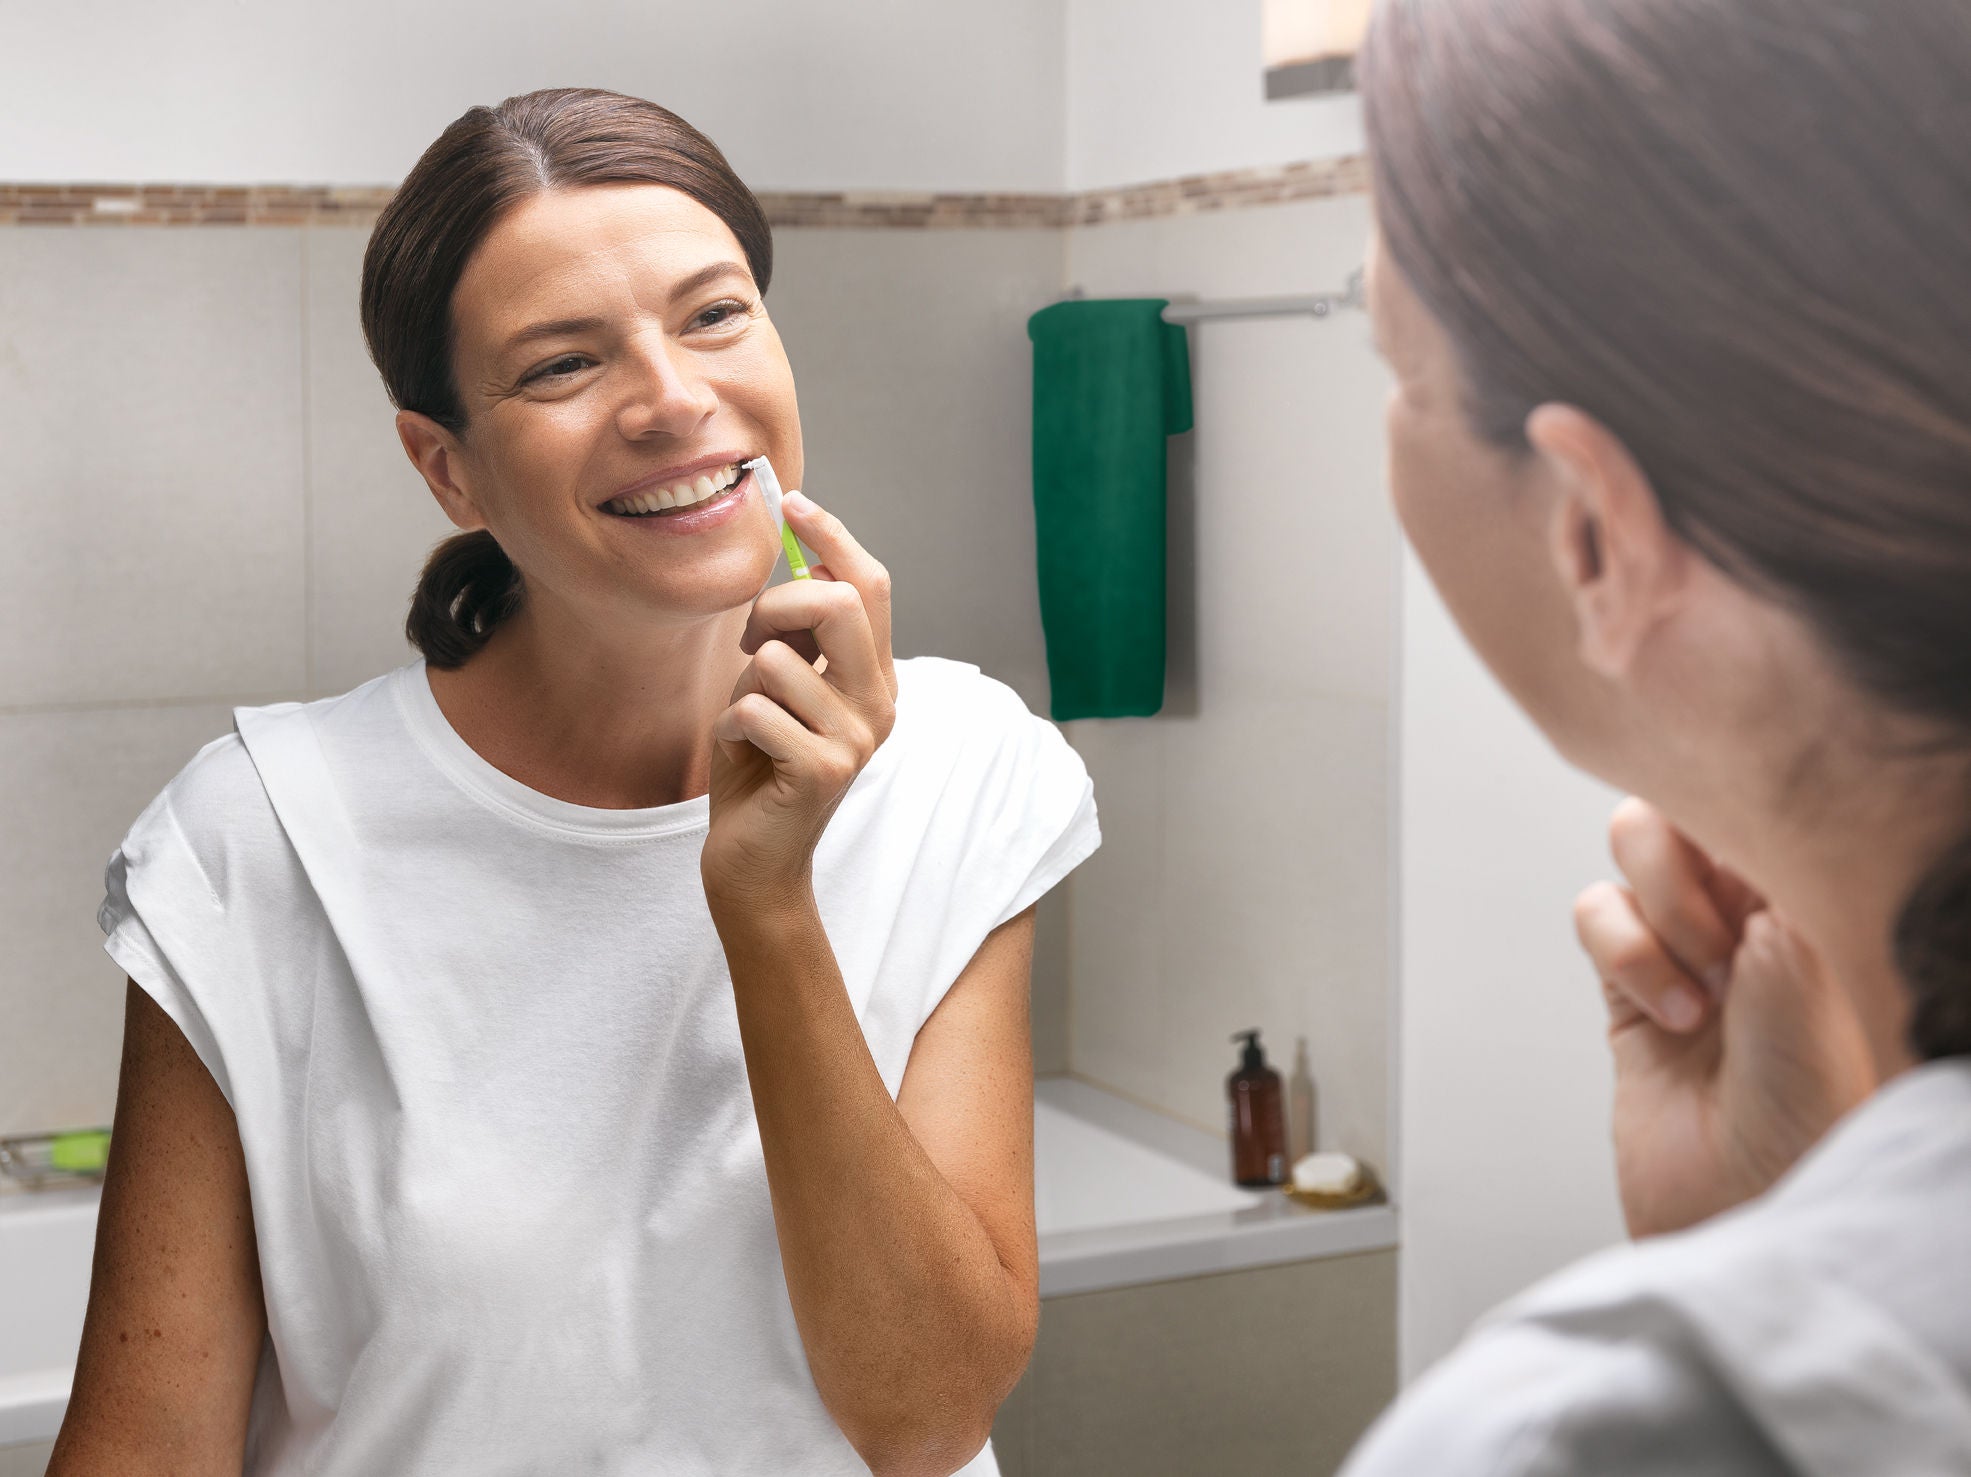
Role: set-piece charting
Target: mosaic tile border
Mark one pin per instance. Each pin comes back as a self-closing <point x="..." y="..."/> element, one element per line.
<point x="189" y="205"/>
<point x="291" y="205"/>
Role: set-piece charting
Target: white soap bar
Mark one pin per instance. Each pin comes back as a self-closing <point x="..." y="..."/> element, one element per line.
<point x="1328" y="1174"/>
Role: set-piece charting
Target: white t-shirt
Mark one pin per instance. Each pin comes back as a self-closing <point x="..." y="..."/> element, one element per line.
<point x="483" y="1053"/>
<point x="1823" y="1330"/>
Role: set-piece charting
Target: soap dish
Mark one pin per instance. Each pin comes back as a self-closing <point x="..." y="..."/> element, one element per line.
<point x="1369" y="1192"/>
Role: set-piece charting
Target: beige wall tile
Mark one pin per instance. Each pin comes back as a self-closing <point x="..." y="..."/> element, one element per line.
<point x="30" y="1460"/>
<point x="911" y="355"/>
<point x="1116" y="929"/>
<point x="70" y="785"/>
<point x="1265" y="798"/>
<point x="1275" y="1370"/>
<point x="1049" y="1008"/>
<point x="1296" y="542"/>
<point x="1278" y="911"/>
<point x="371" y="518"/>
<point x="150" y="404"/>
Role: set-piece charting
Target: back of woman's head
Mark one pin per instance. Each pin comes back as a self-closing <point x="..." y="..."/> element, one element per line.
<point x="488" y="161"/>
<point x="1736" y="232"/>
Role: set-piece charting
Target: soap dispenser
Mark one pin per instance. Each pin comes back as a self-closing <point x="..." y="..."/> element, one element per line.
<point x="1259" y="1121"/>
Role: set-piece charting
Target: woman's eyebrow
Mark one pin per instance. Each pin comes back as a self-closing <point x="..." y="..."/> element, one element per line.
<point x="705" y="276"/>
<point x="551" y="328"/>
<point x="560" y="327"/>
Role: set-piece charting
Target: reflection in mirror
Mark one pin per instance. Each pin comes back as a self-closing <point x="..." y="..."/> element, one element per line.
<point x="575" y="996"/>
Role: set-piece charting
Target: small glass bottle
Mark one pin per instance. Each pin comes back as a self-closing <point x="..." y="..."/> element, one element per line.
<point x="1302" y="1139"/>
<point x="1259" y="1120"/>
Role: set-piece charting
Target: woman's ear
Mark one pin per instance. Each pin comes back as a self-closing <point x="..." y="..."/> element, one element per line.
<point x="436" y="453"/>
<point x="1619" y="563"/>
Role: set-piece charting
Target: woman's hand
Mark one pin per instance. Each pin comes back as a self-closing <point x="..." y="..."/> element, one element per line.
<point x="799" y="730"/>
<point x="1734" y="1052"/>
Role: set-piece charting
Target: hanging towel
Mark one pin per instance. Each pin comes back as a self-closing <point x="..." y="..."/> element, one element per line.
<point x="1111" y="380"/>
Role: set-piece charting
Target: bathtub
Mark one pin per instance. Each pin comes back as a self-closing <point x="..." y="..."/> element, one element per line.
<point x="1122" y="1196"/>
<point x="46" y="1240"/>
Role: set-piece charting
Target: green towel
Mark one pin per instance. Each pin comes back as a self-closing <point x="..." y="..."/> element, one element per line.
<point x="1111" y="380"/>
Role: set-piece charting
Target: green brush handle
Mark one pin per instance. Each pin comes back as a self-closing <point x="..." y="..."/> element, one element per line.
<point x="795" y="561"/>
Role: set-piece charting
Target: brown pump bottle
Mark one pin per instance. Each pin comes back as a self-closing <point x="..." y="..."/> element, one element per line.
<point x="1259" y="1120"/>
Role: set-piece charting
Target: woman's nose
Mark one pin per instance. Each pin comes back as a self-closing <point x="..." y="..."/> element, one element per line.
<point x="671" y="396"/>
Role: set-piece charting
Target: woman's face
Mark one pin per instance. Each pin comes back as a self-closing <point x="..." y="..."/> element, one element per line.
<point x="612" y="354"/>
<point x="1477" y="516"/>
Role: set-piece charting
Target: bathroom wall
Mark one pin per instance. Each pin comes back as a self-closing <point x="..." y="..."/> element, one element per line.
<point x="1157" y="89"/>
<point x="1502" y="1164"/>
<point x="826" y="94"/>
<point x="206" y="503"/>
<point x="207" y="506"/>
<point x="1507" y="1170"/>
<point x="1245" y="879"/>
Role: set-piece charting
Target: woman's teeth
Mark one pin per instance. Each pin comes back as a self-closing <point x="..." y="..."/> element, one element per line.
<point x="680" y="495"/>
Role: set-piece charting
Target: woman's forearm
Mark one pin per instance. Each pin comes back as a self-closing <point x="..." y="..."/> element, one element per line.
<point x="913" y="1327"/>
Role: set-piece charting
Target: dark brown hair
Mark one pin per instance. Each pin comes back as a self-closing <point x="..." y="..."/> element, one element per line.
<point x="1734" y="231"/>
<point x="484" y="164"/>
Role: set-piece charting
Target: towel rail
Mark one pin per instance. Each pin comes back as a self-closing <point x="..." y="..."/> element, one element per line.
<point x="1316" y="305"/>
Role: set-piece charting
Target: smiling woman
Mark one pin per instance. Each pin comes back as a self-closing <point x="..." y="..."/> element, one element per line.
<point x="600" y="1045"/>
<point x="449" y="322"/>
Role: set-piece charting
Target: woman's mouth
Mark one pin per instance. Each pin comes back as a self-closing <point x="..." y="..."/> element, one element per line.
<point x="690" y="494"/>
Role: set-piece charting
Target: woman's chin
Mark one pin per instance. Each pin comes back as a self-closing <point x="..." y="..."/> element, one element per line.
<point x="710" y="587"/>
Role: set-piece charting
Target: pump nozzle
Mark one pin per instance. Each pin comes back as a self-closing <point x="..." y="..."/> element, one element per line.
<point x="1253" y="1057"/>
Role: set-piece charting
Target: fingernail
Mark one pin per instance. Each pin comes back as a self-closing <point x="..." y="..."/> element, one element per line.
<point x="1682" y="1009"/>
<point x="800" y="502"/>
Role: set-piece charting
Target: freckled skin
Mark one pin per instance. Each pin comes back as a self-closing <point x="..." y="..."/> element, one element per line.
<point x="176" y="1265"/>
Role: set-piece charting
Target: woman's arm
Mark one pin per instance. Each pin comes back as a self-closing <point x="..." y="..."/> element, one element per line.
<point x="172" y="1337"/>
<point x="905" y="1228"/>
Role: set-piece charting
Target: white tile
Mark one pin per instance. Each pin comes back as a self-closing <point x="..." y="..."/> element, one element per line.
<point x="1262" y="251"/>
<point x="70" y="785"/>
<point x="1296" y="541"/>
<point x="150" y="404"/>
<point x="911" y="355"/>
<point x="1049" y="1011"/>
<point x="371" y="518"/>
<point x="1116" y="929"/>
<point x="1277" y="907"/>
<point x="1271" y="809"/>
<point x="30" y="1460"/>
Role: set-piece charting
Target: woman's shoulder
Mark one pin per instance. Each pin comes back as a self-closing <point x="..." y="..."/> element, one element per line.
<point x="954" y="719"/>
<point x="1710" y="1350"/>
<point x="217" y="807"/>
<point x="1528" y="1395"/>
<point x="937" y="690"/>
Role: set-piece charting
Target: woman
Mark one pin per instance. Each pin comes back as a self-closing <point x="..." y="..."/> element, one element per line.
<point x="599" y="1046"/>
<point x="1674" y="297"/>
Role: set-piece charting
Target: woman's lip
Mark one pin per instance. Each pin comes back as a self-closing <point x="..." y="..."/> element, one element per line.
<point x="671" y="476"/>
<point x="699" y="516"/>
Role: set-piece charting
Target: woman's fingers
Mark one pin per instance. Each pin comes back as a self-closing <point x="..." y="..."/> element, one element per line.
<point x="847" y="562"/>
<point x="1673" y="882"/>
<point x="758" y="720"/>
<point x="784" y="675"/>
<point x="1639" y="974"/>
<point x="788" y="711"/>
<point x="835" y="614"/>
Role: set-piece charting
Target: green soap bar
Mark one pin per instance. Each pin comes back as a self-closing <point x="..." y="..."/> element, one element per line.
<point x="79" y="1153"/>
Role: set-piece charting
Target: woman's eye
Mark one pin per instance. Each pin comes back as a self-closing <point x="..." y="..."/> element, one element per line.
<point x="720" y="313"/>
<point x="555" y="369"/>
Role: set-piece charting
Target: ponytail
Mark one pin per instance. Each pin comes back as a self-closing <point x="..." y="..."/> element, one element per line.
<point x="468" y="587"/>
